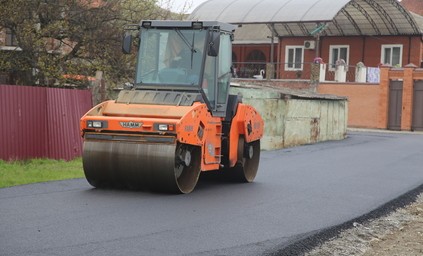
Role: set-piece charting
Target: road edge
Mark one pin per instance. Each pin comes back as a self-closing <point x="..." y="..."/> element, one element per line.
<point x="307" y="242"/>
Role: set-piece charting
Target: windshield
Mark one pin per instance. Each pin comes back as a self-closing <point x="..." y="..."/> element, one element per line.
<point x="170" y="57"/>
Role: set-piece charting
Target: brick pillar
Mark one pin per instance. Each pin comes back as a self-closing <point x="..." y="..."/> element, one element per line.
<point x="407" y="98"/>
<point x="383" y="98"/>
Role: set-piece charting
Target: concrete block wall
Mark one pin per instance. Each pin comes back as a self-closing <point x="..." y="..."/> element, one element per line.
<point x="291" y="121"/>
<point x="310" y="121"/>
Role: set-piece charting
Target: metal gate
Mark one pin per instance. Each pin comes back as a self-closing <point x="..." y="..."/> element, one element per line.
<point x="418" y="106"/>
<point x="395" y="105"/>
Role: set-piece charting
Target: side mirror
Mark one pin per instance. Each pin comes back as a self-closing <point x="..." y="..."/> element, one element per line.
<point x="214" y="44"/>
<point x="127" y="43"/>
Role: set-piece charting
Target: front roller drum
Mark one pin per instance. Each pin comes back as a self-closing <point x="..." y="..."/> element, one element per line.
<point x="172" y="168"/>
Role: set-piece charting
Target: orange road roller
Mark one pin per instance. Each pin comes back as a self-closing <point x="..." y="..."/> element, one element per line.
<point x="178" y="118"/>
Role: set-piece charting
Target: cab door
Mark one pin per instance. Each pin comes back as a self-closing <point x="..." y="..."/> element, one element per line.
<point x="217" y="77"/>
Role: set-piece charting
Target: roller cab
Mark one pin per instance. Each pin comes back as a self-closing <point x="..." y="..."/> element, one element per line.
<point x="178" y="119"/>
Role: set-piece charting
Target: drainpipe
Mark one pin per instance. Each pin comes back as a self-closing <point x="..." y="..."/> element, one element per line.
<point x="363" y="52"/>
<point x="278" y="59"/>
<point x="271" y="67"/>
<point x="409" y="50"/>
<point x="272" y="47"/>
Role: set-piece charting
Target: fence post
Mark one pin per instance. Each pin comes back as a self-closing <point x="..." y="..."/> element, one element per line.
<point x="99" y="89"/>
<point x="360" y="72"/>
<point x="341" y="71"/>
<point x="384" y="97"/>
<point x="318" y="70"/>
<point x="270" y="71"/>
<point x="407" y="97"/>
<point x="322" y="75"/>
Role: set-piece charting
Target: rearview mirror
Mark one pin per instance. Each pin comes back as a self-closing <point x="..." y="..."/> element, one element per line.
<point x="214" y="44"/>
<point x="127" y="43"/>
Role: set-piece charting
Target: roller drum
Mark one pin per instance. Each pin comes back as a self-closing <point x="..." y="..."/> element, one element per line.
<point x="151" y="166"/>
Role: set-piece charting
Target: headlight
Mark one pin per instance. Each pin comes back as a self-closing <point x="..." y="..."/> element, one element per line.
<point x="96" y="124"/>
<point x="165" y="127"/>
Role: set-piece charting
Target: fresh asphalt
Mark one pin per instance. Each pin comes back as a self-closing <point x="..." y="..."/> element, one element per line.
<point x="297" y="193"/>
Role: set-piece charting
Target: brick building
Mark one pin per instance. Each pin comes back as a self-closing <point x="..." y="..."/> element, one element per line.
<point x="367" y="31"/>
<point x="415" y="6"/>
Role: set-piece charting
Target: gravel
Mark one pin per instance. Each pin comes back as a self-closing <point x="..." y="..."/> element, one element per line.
<point x="398" y="233"/>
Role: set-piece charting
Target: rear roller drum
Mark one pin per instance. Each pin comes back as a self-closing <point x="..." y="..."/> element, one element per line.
<point x="187" y="167"/>
<point x="246" y="167"/>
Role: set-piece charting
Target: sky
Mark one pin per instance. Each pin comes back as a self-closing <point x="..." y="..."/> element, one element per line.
<point x="177" y="5"/>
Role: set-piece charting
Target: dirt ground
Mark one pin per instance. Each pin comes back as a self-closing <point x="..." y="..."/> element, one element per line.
<point x="398" y="234"/>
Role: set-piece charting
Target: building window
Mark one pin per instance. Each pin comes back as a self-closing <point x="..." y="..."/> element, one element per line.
<point x="294" y="57"/>
<point x="392" y="54"/>
<point x="338" y="52"/>
<point x="10" y="38"/>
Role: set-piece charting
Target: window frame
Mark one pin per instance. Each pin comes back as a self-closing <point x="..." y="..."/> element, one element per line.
<point x="10" y="39"/>
<point x="332" y="66"/>
<point x="156" y="53"/>
<point x="391" y="46"/>
<point x="287" y="63"/>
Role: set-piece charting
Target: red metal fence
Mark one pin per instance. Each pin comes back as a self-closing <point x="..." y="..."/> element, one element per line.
<point x="39" y="122"/>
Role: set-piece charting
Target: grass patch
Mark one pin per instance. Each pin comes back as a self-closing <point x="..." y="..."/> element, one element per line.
<point x="38" y="170"/>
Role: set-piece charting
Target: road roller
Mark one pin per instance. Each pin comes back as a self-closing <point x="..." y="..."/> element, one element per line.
<point x="177" y="119"/>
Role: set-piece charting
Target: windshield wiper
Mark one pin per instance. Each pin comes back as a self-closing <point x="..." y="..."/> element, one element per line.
<point x="190" y="46"/>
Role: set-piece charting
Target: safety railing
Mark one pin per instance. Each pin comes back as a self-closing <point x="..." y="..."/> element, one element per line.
<point x="305" y="71"/>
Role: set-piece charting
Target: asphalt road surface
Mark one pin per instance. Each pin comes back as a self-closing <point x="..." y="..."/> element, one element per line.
<point x="298" y="191"/>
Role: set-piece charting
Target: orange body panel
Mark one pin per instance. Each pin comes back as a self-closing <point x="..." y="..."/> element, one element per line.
<point x="192" y="125"/>
<point x="146" y="115"/>
<point x="247" y="122"/>
<point x="199" y="127"/>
